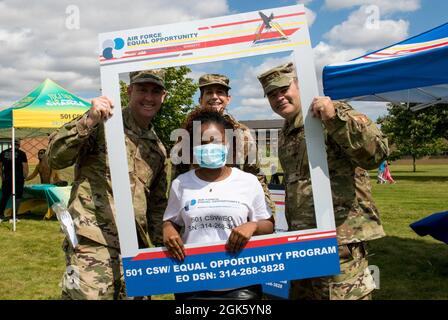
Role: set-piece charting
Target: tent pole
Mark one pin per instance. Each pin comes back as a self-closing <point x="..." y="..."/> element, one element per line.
<point x="13" y="180"/>
<point x="409" y="93"/>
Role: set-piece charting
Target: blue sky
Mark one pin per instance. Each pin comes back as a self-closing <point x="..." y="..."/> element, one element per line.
<point x="430" y="14"/>
<point x="406" y="18"/>
<point x="39" y="40"/>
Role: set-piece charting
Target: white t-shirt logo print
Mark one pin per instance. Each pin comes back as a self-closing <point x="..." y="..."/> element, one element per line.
<point x="189" y="203"/>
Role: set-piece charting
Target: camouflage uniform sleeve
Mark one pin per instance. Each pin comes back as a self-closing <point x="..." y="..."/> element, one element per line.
<point x="156" y="206"/>
<point x="358" y="136"/>
<point x="65" y="143"/>
<point x="253" y="166"/>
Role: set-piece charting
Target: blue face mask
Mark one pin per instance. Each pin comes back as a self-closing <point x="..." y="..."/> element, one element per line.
<point x="211" y="156"/>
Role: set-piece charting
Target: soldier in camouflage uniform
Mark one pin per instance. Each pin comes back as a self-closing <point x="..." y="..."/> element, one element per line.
<point x="93" y="267"/>
<point x="215" y="93"/>
<point x="353" y="144"/>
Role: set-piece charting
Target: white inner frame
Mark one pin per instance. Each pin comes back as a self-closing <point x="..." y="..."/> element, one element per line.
<point x="298" y="42"/>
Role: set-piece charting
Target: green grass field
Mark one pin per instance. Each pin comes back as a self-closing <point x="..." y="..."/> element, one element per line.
<point x="411" y="267"/>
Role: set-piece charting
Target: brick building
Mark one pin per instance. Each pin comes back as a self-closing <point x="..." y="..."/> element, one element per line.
<point x="29" y="145"/>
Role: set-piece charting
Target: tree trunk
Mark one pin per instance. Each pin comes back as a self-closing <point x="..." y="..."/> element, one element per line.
<point x="413" y="163"/>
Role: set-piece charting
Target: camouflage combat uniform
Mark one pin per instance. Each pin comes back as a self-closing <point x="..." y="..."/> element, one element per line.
<point x="93" y="268"/>
<point x="353" y="144"/>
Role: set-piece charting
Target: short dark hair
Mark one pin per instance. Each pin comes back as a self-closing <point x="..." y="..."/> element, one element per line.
<point x="206" y="115"/>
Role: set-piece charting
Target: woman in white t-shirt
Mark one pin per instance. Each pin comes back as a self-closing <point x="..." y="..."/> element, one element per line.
<point x="214" y="202"/>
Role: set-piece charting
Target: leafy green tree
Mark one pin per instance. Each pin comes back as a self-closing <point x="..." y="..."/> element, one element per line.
<point x="440" y="111"/>
<point x="413" y="133"/>
<point x="124" y="94"/>
<point x="178" y="103"/>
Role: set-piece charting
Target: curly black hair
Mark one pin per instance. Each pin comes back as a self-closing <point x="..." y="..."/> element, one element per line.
<point x="205" y="115"/>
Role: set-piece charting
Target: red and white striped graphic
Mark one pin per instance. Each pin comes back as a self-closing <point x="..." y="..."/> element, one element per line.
<point x="399" y="50"/>
<point x="213" y="36"/>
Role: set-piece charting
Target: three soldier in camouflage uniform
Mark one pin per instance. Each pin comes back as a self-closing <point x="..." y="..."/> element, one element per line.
<point x="94" y="267"/>
<point x="215" y="93"/>
<point x="353" y="144"/>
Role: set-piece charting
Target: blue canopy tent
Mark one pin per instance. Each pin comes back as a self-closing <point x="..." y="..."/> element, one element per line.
<point x="412" y="71"/>
<point x="435" y="225"/>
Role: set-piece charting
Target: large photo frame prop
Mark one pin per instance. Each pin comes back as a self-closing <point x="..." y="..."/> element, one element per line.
<point x="280" y="256"/>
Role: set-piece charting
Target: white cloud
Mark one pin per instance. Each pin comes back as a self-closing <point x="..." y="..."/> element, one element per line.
<point x="248" y="112"/>
<point x="310" y="16"/>
<point x="16" y="39"/>
<point x="198" y="70"/>
<point x="385" y="6"/>
<point x="255" y="102"/>
<point x="359" y="31"/>
<point x="244" y="111"/>
<point x="36" y="44"/>
<point x="249" y="102"/>
<point x="195" y="75"/>
<point x="325" y="54"/>
<point x="6" y="103"/>
<point x="364" y="30"/>
<point x="247" y="85"/>
<point x="305" y="2"/>
<point x="373" y="110"/>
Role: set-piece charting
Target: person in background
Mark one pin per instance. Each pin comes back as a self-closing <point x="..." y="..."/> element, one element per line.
<point x="387" y="175"/>
<point x="46" y="174"/>
<point x="21" y="171"/>
<point x="380" y="175"/>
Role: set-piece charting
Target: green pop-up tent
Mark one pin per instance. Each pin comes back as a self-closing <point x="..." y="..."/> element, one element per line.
<point x="47" y="106"/>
